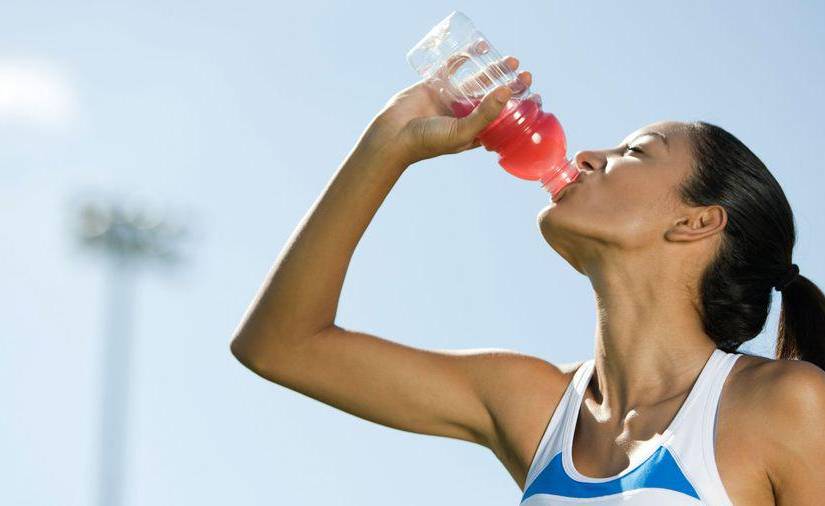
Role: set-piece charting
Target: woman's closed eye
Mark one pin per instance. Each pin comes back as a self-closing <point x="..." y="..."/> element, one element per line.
<point x="634" y="149"/>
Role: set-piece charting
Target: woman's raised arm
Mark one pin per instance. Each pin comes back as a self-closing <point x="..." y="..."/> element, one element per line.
<point x="289" y="336"/>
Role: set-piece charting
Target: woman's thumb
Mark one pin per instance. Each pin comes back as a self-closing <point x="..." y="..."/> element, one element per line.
<point x="490" y="107"/>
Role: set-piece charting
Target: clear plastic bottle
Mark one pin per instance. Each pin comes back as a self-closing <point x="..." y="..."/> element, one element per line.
<point x="459" y="62"/>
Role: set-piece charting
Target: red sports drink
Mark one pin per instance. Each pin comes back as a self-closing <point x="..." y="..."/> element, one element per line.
<point x="530" y="142"/>
<point x="462" y="66"/>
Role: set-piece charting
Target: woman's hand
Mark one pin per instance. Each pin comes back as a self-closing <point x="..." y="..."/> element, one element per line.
<point x="415" y="124"/>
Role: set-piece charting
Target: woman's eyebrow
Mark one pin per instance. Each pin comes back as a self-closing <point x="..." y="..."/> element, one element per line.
<point x="657" y="134"/>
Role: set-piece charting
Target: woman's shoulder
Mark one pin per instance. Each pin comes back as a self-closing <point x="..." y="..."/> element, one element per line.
<point x="777" y="400"/>
<point x="778" y="412"/>
<point x="777" y="378"/>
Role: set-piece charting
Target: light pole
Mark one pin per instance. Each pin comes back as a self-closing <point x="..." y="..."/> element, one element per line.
<point x="127" y="238"/>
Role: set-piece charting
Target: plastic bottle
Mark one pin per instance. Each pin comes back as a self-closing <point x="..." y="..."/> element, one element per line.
<point x="459" y="62"/>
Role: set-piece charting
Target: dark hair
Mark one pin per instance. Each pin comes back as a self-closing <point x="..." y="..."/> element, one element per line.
<point x="755" y="251"/>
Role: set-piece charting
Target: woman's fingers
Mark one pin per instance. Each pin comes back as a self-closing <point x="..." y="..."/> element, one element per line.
<point x="466" y="129"/>
<point x="484" y="80"/>
<point x="526" y="77"/>
<point x="477" y="85"/>
<point x="497" y="70"/>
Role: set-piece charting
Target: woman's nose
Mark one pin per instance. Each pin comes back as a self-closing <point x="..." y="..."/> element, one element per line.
<point x="589" y="161"/>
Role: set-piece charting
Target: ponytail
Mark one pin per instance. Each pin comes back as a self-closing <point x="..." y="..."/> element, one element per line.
<point x="755" y="252"/>
<point x="801" y="333"/>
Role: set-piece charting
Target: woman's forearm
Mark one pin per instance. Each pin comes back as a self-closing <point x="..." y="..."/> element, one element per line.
<point x="299" y="296"/>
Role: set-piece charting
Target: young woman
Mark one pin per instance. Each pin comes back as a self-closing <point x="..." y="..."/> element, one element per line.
<point x="683" y="233"/>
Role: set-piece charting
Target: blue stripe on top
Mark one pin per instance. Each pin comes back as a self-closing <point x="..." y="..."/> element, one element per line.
<point x="660" y="470"/>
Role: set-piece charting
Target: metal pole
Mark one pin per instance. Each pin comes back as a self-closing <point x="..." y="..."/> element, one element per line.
<point x="115" y="381"/>
<point x="128" y="241"/>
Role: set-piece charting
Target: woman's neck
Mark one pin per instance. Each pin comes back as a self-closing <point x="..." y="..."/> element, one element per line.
<point x="649" y="340"/>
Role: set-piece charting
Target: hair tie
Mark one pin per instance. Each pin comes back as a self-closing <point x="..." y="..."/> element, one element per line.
<point x="787" y="278"/>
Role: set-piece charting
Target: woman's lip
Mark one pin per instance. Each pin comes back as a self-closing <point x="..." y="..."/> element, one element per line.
<point x="561" y="192"/>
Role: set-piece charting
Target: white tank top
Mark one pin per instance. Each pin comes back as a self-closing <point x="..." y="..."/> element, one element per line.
<point x="678" y="469"/>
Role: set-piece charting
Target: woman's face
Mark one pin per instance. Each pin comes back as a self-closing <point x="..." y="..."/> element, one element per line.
<point x="626" y="197"/>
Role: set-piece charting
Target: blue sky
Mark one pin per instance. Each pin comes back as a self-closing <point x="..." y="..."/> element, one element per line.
<point x="235" y="115"/>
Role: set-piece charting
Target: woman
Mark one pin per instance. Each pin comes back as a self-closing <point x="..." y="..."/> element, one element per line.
<point x="682" y="232"/>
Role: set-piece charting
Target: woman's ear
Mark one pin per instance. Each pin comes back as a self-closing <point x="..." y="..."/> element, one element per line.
<point x="701" y="222"/>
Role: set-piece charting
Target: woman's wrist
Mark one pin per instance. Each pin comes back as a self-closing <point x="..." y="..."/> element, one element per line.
<point x="383" y="146"/>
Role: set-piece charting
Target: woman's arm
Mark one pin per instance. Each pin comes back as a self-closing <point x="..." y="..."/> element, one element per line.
<point x="300" y="296"/>
<point x="289" y="336"/>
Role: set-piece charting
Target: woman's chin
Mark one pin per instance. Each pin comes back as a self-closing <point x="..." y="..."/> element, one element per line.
<point x="548" y="225"/>
<point x="549" y="214"/>
<point x="558" y="225"/>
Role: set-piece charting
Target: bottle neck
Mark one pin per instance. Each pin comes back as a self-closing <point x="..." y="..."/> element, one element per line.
<point x="558" y="176"/>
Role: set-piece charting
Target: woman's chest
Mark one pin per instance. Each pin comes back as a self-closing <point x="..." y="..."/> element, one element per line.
<point x="737" y="446"/>
<point x="597" y="452"/>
